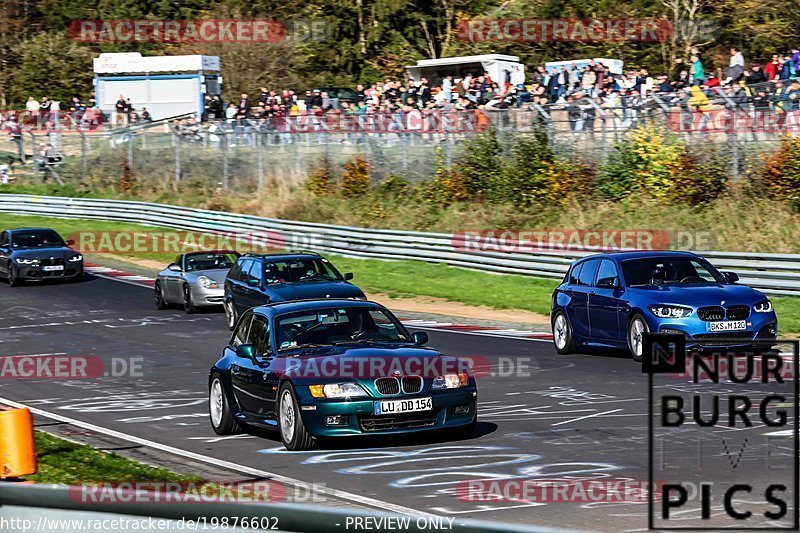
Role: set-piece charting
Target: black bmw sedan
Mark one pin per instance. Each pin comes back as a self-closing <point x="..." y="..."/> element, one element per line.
<point x="35" y="254"/>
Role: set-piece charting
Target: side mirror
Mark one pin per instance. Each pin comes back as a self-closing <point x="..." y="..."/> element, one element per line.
<point x="253" y="282"/>
<point x="246" y="351"/>
<point x="348" y="276"/>
<point x="607" y="283"/>
<point x="420" y="337"/>
<point x="731" y="277"/>
<point x="174" y="268"/>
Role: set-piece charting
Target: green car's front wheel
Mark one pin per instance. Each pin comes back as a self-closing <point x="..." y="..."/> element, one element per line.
<point x="293" y="431"/>
<point x="222" y="420"/>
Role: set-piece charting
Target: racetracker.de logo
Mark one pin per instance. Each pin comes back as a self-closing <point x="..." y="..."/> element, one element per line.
<point x="177" y="31"/>
<point x="560" y="30"/>
<point x="135" y="492"/>
<point x="178" y="242"/>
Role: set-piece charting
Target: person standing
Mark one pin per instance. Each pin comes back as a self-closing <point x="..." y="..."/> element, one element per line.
<point x="32" y="108"/>
<point x="119" y="106"/>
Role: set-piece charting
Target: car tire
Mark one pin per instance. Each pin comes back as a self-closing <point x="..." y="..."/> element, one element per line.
<point x="219" y="411"/>
<point x="13" y="279"/>
<point x="230" y="314"/>
<point x="562" y="334"/>
<point x="161" y="304"/>
<point x="290" y="424"/>
<point x="188" y="304"/>
<point x="636" y="327"/>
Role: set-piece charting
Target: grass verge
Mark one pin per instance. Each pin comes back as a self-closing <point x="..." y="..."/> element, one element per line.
<point x="405" y="278"/>
<point x="65" y="462"/>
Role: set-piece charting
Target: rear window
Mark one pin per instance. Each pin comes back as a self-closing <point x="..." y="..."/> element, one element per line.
<point x="586" y="276"/>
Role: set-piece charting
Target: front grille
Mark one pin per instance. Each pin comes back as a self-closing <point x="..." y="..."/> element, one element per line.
<point x="738" y="312"/>
<point x="711" y="313"/>
<point x="51" y="261"/>
<point x="401" y="421"/>
<point x="387" y="386"/>
<point x="412" y="384"/>
<point x="724" y="336"/>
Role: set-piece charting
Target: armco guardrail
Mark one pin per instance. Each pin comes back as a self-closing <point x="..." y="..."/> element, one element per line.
<point x="46" y="500"/>
<point x="772" y="273"/>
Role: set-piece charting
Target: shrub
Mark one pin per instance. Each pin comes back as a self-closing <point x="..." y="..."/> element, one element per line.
<point x="477" y="164"/>
<point x="652" y="162"/>
<point x="321" y="181"/>
<point x="523" y="179"/>
<point x="780" y="175"/>
<point x="355" y="178"/>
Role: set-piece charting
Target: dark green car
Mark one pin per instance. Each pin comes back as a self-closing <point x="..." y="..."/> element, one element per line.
<point x="335" y="368"/>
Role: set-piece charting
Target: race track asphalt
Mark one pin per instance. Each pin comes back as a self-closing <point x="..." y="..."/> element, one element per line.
<point x="541" y="415"/>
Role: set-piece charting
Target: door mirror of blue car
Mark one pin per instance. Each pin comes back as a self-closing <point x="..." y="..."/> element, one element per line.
<point x="252" y="282"/>
<point x="607" y="283"/>
<point x="731" y="277"/>
<point x="420" y="337"/>
<point x="348" y="276"/>
<point x="246" y="351"/>
<point x="174" y="268"/>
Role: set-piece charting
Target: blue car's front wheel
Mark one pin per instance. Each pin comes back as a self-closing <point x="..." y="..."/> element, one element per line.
<point x="637" y="327"/>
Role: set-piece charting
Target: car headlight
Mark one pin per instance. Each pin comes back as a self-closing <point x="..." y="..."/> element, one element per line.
<point x="26" y="261"/>
<point x="450" y="381"/>
<point x="337" y="390"/>
<point x="206" y="282"/>
<point x="76" y="258"/>
<point x="764" y="306"/>
<point x="670" y="311"/>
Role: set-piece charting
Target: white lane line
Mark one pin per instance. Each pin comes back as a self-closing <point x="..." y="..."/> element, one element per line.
<point x="378" y="504"/>
<point x="482" y="333"/>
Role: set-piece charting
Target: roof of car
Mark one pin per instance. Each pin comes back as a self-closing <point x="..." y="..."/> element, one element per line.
<point x="29" y="229"/>
<point x="283" y="255"/>
<point x="317" y="303"/>
<point x="637" y="254"/>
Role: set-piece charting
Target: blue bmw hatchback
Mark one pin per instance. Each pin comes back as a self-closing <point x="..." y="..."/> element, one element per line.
<point x="609" y="300"/>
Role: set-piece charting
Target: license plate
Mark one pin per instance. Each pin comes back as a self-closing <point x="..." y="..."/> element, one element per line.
<point x="728" y="325"/>
<point x="52" y="268"/>
<point x="392" y="407"/>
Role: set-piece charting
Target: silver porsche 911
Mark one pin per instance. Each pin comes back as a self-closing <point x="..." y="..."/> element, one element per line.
<point x="194" y="280"/>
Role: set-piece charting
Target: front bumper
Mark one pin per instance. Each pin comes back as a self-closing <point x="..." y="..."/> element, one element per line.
<point x="762" y="328"/>
<point x="207" y="297"/>
<point x="40" y="271"/>
<point x="451" y="408"/>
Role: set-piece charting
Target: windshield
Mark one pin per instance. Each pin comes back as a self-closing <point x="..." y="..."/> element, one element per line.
<point x="341" y="325"/>
<point x="39" y="238"/>
<point x="210" y="261"/>
<point x="300" y="270"/>
<point x="668" y="271"/>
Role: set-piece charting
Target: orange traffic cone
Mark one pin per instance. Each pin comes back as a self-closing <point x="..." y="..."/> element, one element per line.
<point x="17" y="448"/>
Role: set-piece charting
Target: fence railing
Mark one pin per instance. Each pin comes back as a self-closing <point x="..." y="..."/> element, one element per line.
<point x="47" y="500"/>
<point x="772" y="273"/>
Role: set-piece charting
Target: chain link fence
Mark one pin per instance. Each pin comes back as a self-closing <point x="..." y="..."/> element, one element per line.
<point x="248" y="154"/>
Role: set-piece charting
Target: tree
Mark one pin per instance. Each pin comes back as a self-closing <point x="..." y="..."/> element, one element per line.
<point x="51" y="65"/>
